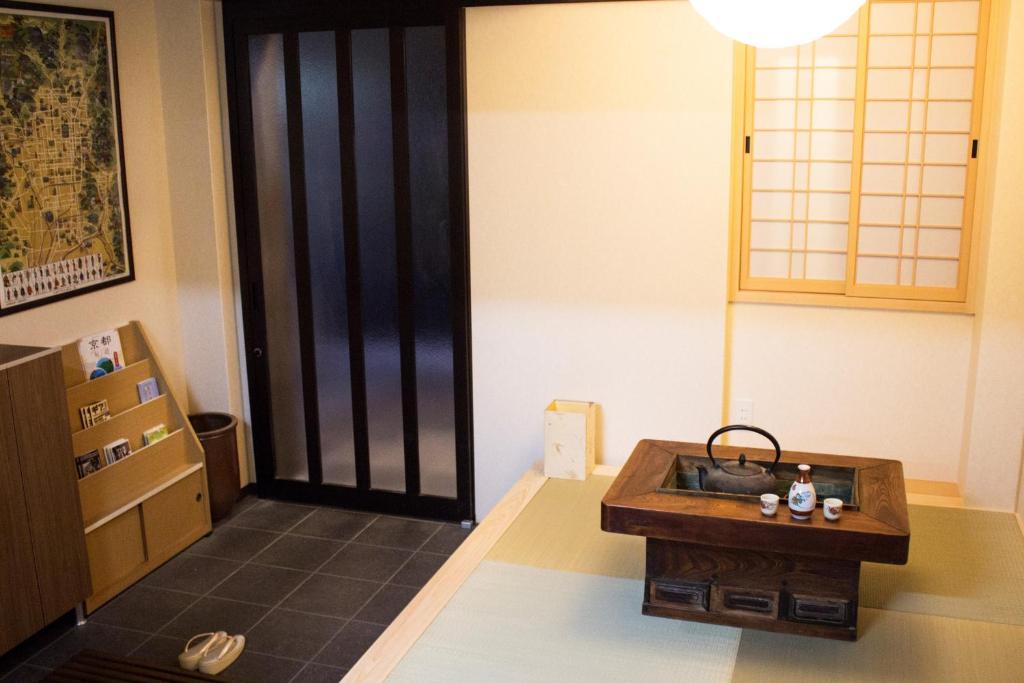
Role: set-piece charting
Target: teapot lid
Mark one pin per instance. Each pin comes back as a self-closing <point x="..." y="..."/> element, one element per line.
<point x="740" y="468"/>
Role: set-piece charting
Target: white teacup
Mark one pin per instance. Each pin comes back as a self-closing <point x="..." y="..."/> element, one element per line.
<point x="769" y="504"/>
<point x="833" y="508"/>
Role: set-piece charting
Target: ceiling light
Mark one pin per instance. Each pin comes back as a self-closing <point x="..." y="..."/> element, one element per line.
<point x="776" y="23"/>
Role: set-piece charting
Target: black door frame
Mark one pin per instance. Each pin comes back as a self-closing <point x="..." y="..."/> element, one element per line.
<point x="245" y="18"/>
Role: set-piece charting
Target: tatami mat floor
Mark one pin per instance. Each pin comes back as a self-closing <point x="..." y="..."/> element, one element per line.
<point x="954" y="612"/>
<point x="310" y="587"/>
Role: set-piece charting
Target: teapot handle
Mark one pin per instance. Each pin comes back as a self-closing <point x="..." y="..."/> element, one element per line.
<point x="748" y="428"/>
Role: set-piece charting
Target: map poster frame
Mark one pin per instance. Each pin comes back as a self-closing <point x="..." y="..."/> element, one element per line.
<point x="64" y="214"/>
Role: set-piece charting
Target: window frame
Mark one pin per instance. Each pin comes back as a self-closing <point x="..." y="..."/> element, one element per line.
<point x="847" y="293"/>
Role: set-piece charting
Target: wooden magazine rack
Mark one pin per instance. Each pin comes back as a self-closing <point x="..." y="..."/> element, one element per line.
<point x="140" y="511"/>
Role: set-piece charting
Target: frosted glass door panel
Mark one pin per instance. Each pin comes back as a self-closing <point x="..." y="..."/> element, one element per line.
<point x="428" y="171"/>
<point x="374" y="152"/>
<point x="322" y="154"/>
<point x="273" y="182"/>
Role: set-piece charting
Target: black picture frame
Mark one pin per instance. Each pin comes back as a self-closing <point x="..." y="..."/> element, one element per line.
<point x="9" y="7"/>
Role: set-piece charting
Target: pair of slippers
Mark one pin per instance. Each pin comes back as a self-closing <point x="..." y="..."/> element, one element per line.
<point x="211" y="653"/>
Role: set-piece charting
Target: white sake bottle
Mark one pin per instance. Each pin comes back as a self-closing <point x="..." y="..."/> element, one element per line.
<point x="802" y="496"/>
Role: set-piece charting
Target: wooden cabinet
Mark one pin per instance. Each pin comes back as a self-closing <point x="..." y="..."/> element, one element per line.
<point x="43" y="567"/>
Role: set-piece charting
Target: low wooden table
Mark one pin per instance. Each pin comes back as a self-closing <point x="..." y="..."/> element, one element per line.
<point x="715" y="558"/>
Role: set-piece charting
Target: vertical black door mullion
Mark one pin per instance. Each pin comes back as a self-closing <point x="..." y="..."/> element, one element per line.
<point x="455" y="31"/>
<point x="350" y="229"/>
<point x="403" y="243"/>
<point x="249" y="253"/>
<point x="307" y="344"/>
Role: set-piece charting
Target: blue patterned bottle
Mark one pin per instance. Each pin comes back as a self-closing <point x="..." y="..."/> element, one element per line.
<point x="802" y="496"/>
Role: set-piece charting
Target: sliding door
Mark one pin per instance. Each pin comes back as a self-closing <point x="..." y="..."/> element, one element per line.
<point x="349" y="153"/>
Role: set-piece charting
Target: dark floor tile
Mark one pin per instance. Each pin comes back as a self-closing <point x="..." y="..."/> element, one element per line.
<point x="160" y="651"/>
<point x="244" y="503"/>
<point x="418" y="570"/>
<point x="347" y="647"/>
<point x="26" y="673"/>
<point x="369" y="562"/>
<point x="32" y="645"/>
<point x="331" y="595"/>
<point x="271" y="515"/>
<point x="233" y="543"/>
<point x="143" y="608"/>
<point x="447" y="540"/>
<point x="318" y="673"/>
<point x="385" y="605"/>
<point x="338" y="525"/>
<point x="260" y="584"/>
<point x="214" y="614"/>
<point x="299" y="552"/>
<point x="92" y="636"/>
<point x="253" y="667"/>
<point x="240" y="506"/>
<point x="293" y="635"/>
<point x="394" y="532"/>
<point x="191" y="574"/>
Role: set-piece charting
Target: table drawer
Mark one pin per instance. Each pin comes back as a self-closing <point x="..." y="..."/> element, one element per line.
<point x="811" y="609"/>
<point x="747" y="602"/>
<point x="683" y="595"/>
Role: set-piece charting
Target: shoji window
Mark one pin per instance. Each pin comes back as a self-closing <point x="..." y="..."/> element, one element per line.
<point x="860" y="152"/>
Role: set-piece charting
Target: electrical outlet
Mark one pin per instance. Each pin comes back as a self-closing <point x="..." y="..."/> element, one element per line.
<point x="743" y="410"/>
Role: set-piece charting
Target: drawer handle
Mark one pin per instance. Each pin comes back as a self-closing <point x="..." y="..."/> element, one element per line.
<point x="749" y="603"/>
<point x="819" y="610"/>
<point x="683" y="594"/>
<point x="199" y="496"/>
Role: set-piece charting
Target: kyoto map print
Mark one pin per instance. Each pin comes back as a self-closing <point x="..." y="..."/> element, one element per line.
<point x="63" y="219"/>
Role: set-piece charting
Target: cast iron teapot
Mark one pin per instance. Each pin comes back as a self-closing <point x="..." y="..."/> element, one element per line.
<point x="739" y="476"/>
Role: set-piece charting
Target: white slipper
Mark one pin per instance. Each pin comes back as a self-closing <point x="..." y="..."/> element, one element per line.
<point x="192" y="654"/>
<point x="222" y="656"/>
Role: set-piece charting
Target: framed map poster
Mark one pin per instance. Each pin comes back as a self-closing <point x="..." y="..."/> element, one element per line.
<point x="64" y="227"/>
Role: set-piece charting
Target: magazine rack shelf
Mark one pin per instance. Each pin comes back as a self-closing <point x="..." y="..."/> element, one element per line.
<point x="142" y="510"/>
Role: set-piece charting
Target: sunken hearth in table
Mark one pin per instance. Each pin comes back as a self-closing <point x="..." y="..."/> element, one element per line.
<point x="714" y="558"/>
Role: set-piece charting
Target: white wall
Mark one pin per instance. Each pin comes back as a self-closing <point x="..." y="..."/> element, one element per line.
<point x="599" y="179"/>
<point x="887" y="384"/>
<point x="598" y="191"/>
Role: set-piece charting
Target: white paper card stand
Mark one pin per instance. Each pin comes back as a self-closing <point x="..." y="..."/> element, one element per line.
<point x="570" y="439"/>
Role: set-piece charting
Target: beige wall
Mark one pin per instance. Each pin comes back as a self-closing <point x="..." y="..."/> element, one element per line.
<point x="170" y="104"/>
<point x="598" y="190"/>
<point x="994" y="435"/>
<point x="191" y="81"/>
<point x="152" y="298"/>
<point x="598" y="142"/>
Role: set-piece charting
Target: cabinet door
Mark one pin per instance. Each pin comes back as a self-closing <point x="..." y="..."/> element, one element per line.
<point x="39" y="408"/>
<point x="116" y="550"/>
<point x="175" y="517"/>
<point x="21" y="613"/>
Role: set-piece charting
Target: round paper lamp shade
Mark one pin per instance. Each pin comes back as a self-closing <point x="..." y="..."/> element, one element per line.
<point x="776" y="23"/>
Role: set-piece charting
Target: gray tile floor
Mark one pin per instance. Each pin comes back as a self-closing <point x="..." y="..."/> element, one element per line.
<point x="310" y="587"/>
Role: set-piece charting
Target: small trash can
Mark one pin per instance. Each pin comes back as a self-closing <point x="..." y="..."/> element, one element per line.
<point x="216" y="431"/>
